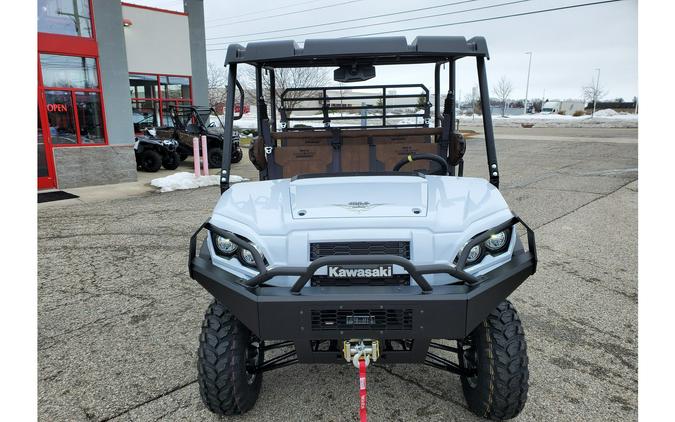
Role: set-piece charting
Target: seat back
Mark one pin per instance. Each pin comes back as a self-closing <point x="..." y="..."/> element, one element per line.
<point x="363" y="150"/>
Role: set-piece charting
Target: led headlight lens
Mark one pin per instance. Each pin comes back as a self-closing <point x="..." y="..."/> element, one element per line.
<point x="496" y="241"/>
<point x="247" y="257"/>
<point x="474" y="254"/>
<point x="225" y="245"/>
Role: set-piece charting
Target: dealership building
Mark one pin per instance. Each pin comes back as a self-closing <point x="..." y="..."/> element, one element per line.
<point x="106" y="70"/>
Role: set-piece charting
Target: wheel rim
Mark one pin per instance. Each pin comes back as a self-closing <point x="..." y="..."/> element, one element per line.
<point x="468" y="360"/>
<point x="253" y="359"/>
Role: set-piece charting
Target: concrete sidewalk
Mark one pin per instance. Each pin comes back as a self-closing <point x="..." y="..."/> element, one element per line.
<point x="141" y="187"/>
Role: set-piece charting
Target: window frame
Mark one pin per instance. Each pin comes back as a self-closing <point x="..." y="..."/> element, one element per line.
<point x="160" y="100"/>
<point x="42" y="91"/>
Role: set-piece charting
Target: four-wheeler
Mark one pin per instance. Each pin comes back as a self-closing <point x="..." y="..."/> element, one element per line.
<point x="363" y="240"/>
<point x="194" y="121"/>
<point x="153" y="153"/>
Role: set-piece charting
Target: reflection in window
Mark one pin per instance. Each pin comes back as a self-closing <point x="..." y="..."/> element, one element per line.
<point x="43" y="170"/>
<point x="61" y="117"/>
<point x="145" y="114"/>
<point x="153" y="95"/>
<point x="65" y="17"/>
<point x="89" y="117"/>
<point x="68" y="71"/>
<point x="167" y="121"/>
<point x="143" y="86"/>
<point x="175" y="87"/>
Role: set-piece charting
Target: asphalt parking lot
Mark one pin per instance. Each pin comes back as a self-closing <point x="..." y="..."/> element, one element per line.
<point x="119" y="317"/>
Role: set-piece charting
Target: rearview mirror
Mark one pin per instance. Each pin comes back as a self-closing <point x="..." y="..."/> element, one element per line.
<point x="354" y="73"/>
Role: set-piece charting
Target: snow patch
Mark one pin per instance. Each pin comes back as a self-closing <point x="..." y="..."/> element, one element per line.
<point x="608" y="112"/>
<point x="185" y="180"/>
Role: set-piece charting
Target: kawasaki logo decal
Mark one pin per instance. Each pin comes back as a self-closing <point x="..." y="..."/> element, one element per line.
<point x="351" y="271"/>
<point x="358" y="206"/>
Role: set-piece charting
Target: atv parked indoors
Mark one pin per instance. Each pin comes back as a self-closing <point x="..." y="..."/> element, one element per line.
<point x="363" y="240"/>
<point x="193" y="121"/>
<point x="152" y="153"/>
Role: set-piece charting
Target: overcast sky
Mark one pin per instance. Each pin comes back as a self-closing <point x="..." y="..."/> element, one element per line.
<point x="567" y="45"/>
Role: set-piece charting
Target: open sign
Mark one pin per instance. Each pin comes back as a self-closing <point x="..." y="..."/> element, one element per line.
<point x="57" y="108"/>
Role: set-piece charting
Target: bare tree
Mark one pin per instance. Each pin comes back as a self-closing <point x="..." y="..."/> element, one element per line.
<point x="300" y="77"/>
<point x="502" y="91"/>
<point x="593" y="92"/>
<point x="216" y="84"/>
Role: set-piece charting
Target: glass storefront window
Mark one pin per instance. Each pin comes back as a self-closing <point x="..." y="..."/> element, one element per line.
<point x="175" y="87"/>
<point x="145" y="114"/>
<point x="65" y="17"/>
<point x="43" y="170"/>
<point x="89" y="117"/>
<point x="167" y="121"/>
<point x="61" y="117"/>
<point x="68" y="71"/>
<point x="151" y="101"/>
<point x="143" y="86"/>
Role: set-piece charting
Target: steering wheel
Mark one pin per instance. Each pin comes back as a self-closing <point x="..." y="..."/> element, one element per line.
<point x="426" y="156"/>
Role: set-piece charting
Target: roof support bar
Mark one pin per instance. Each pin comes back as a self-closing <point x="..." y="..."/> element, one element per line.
<point x="451" y="94"/>
<point x="273" y="99"/>
<point x="227" y="135"/>
<point x="487" y="122"/>
<point x="437" y="94"/>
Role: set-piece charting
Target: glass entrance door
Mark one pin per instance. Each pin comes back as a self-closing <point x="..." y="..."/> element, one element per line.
<point x="45" y="168"/>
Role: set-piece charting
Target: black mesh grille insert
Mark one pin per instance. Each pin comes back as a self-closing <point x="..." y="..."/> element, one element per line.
<point x="398" y="248"/>
<point x="362" y="319"/>
<point x="394" y="280"/>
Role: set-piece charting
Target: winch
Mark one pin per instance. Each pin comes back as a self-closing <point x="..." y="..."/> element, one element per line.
<point x="357" y="349"/>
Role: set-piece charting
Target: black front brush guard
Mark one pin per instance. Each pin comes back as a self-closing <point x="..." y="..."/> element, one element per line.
<point x="416" y="272"/>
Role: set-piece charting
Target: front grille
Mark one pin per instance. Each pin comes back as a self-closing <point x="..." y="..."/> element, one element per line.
<point x="362" y="319"/>
<point x="398" y="248"/>
<point x="394" y="280"/>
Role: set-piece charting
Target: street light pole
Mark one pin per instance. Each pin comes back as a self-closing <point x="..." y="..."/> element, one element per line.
<point x="527" y="87"/>
<point x="595" y="94"/>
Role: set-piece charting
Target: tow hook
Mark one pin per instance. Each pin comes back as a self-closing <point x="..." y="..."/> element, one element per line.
<point x="366" y="350"/>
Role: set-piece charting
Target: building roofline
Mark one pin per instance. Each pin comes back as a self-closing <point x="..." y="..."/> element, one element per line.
<point x="154" y="9"/>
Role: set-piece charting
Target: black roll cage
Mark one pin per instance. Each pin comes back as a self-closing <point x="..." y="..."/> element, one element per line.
<point x="192" y="112"/>
<point x="438" y="50"/>
<point x="384" y="107"/>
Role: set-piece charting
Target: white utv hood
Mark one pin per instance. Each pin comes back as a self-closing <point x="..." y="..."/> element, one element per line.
<point x="441" y="204"/>
<point x="345" y="197"/>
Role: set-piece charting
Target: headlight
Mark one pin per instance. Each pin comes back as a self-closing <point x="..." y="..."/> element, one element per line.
<point x="496" y="241"/>
<point x="247" y="258"/>
<point x="226" y="248"/>
<point x="495" y="245"/>
<point x="474" y="254"/>
<point x="225" y="245"/>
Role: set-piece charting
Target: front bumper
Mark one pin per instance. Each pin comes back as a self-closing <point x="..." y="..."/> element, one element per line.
<point x="383" y="312"/>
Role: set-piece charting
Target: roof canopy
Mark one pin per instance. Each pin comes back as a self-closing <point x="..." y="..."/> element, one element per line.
<point x="371" y="50"/>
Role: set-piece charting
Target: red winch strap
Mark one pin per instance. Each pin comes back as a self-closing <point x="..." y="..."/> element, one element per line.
<point x="362" y="391"/>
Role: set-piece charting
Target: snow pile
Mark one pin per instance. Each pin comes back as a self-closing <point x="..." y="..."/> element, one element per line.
<point x="608" y="112"/>
<point x="185" y="180"/>
<point x="602" y="118"/>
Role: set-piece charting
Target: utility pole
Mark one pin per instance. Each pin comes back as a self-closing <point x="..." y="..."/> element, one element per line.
<point x="595" y="94"/>
<point x="527" y="87"/>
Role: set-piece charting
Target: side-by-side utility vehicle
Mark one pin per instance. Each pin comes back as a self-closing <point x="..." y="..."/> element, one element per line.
<point x="190" y="121"/>
<point x="363" y="240"/>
